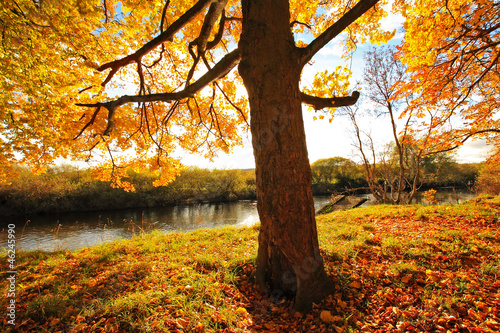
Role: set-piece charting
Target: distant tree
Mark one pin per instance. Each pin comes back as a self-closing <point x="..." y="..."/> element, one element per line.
<point x="467" y="174"/>
<point x="388" y="172"/>
<point x="335" y="174"/>
<point x="381" y="76"/>
<point x="414" y="157"/>
<point x="439" y="168"/>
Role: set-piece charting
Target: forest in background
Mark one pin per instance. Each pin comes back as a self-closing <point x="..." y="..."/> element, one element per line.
<point x="68" y="188"/>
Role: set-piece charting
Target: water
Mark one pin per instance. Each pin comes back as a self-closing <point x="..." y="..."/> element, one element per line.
<point x="444" y="196"/>
<point x="66" y="231"/>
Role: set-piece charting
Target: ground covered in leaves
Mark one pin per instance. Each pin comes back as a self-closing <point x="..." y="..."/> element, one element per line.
<point x="396" y="268"/>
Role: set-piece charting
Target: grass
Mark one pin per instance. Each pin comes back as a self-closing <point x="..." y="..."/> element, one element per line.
<point x="396" y="268"/>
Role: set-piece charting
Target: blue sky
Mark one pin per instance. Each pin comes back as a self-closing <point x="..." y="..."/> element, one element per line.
<point x="326" y="139"/>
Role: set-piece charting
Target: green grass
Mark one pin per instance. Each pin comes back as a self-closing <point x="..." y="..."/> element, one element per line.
<point x="424" y="264"/>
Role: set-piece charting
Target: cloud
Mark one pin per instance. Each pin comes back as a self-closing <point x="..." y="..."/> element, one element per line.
<point x="332" y="49"/>
<point x="392" y="21"/>
<point x="474" y="151"/>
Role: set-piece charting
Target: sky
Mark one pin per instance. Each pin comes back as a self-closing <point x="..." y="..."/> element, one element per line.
<point x="324" y="139"/>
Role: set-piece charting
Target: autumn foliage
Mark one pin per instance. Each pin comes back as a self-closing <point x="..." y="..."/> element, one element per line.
<point x="488" y="180"/>
<point x="127" y="84"/>
<point x="451" y="51"/>
<point x="62" y="46"/>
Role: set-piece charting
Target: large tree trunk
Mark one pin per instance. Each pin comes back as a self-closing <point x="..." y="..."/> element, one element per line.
<point x="288" y="262"/>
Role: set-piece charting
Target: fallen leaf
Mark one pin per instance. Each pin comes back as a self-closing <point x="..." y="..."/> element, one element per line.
<point x="55" y="321"/>
<point x="241" y="311"/>
<point x="326" y="316"/>
<point x="199" y="328"/>
<point x="407" y="278"/>
<point x="355" y="284"/>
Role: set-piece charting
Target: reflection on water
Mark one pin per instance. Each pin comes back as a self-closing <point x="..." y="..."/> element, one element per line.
<point x="80" y="229"/>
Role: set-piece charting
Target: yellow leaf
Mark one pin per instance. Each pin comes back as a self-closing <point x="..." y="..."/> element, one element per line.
<point x="241" y="311"/>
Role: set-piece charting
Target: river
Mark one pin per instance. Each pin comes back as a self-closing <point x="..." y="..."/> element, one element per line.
<point x="67" y="231"/>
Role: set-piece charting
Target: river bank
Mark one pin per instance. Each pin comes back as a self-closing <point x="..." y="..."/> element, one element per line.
<point x="75" y="191"/>
<point x="395" y="268"/>
<point x="69" y="189"/>
<point x="72" y="230"/>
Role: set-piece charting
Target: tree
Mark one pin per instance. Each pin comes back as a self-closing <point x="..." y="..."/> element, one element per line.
<point x="388" y="172"/>
<point x="440" y="169"/>
<point x="452" y="52"/>
<point x="334" y="174"/>
<point x="381" y="75"/>
<point x="56" y="54"/>
<point x="417" y="151"/>
<point x="488" y="180"/>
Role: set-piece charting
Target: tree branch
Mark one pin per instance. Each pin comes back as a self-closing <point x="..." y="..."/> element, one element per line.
<point x="319" y="103"/>
<point x="160" y="39"/>
<point x="215" y="10"/>
<point x="163" y="14"/>
<point x="222" y="68"/>
<point x="293" y="23"/>
<point x="335" y="29"/>
<point x="464" y="138"/>
<point x="220" y="32"/>
<point x="90" y="122"/>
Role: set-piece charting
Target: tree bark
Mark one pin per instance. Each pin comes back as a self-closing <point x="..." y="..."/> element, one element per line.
<point x="288" y="261"/>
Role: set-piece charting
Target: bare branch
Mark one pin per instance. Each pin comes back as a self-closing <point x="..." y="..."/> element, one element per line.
<point x="462" y="139"/>
<point x="111" y="122"/>
<point x="105" y="11"/>
<point x="85" y="89"/>
<point x="300" y="23"/>
<point x="202" y="44"/>
<point x="319" y="103"/>
<point x="90" y="122"/>
<point x="160" y="57"/>
<point x="220" y="32"/>
<point x="215" y="10"/>
<point x="232" y="104"/>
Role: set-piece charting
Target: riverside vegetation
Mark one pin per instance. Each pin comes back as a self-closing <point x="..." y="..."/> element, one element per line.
<point x="67" y="188"/>
<point x="407" y="268"/>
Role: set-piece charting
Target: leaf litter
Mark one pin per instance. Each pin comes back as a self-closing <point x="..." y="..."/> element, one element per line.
<point x="395" y="268"/>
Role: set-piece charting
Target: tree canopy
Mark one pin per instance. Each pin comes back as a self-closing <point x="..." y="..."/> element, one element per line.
<point x="106" y="54"/>
<point x="451" y="50"/>
<point x="56" y="54"/>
